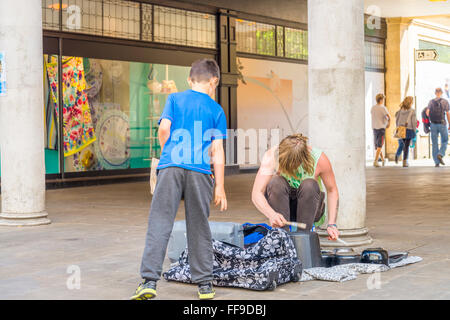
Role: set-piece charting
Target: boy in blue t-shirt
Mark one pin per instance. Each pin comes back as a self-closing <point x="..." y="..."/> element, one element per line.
<point x="191" y="129"/>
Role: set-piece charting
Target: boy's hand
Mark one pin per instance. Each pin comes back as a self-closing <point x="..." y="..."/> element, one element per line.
<point x="220" y="198"/>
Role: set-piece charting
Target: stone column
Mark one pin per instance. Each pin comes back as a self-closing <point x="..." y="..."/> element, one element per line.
<point x="21" y="115"/>
<point x="399" y="74"/>
<point x="336" y="106"/>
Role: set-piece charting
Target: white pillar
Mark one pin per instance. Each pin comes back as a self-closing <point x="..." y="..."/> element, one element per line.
<point x="336" y="106"/>
<point x="21" y="115"/>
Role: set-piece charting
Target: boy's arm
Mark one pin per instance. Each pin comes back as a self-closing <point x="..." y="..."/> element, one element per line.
<point x="164" y="132"/>
<point x="218" y="158"/>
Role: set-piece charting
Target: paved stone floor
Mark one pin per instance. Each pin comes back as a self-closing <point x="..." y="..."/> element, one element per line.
<point x="101" y="230"/>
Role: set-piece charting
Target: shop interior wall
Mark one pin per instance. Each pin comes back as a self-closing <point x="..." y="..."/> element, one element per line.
<point x="274" y="96"/>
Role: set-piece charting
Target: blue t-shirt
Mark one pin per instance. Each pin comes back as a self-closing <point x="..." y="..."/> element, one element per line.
<point x="197" y="120"/>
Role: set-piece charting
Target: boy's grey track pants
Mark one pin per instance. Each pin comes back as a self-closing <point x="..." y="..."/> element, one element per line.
<point x="197" y="188"/>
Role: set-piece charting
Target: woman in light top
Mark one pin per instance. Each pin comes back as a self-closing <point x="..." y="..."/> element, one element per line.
<point x="296" y="172"/>
<point x="406" y="116"/>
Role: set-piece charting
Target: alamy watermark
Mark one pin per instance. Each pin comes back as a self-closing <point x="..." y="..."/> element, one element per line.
<point x="73" y="282"/>
<point x="73" y="21"/>
<point x="374" y="20"/>
<point x="374" y="281"/>
<point x="242" y="146"/>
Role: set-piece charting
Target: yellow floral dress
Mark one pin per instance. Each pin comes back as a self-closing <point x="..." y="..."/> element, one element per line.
<point x="77" y="123"/>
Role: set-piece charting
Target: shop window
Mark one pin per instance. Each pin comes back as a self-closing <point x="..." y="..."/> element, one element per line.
<point x="83" y="16"/>
<point x="147" y="22"/>
<point x="184" y="27"/>
<point x="280" y="41"/>
<point x="265" y="39"/>
<point x="51" y="103"/>
<point x="114" y="18"/>
<point x="374" y="55"/>
<point x="121" y="19"/>
<point x="296" y="43"/>
<point x="131" y="20"/>
<point x="255" y="37"/>
<point x="111" y="111"/>
<point x="50" y="14"/>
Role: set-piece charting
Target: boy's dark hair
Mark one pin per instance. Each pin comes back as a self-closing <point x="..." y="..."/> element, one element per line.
<point x="203" y="70"/>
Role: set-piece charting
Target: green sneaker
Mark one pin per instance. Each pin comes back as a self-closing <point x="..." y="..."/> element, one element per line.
<point x="145" y="291"/>
<point x="206" y="291"/>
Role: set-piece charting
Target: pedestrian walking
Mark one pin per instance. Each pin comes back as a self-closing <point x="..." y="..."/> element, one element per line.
<point x="437" y="111"/>
<point x="405" y="119"/>
<point x="380" y="121"/>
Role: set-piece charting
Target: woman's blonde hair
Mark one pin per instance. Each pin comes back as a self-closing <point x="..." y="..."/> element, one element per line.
<point x="407" y="103"/>
<point x="293" y="152"/>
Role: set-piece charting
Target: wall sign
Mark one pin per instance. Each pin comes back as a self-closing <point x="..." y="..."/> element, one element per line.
<point x="2" y="74"/>
<point x="426" y="55"/>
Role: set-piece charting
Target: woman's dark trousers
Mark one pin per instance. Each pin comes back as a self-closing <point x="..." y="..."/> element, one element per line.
<point x="307" y="202"/>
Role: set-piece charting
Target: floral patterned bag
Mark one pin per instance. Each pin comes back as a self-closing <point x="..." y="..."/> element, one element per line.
<point x="262" y="266"/>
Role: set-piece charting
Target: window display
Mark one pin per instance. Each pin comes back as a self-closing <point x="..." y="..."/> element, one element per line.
<point x="110" y="110"/>
<point x="77" y="124"/>
<point x="50" y="120"/>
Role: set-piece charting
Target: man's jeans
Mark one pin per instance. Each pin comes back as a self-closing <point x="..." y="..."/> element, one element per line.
<point x="437" y="129"/>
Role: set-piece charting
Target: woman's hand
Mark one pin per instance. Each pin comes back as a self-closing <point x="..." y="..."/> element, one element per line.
<point x="277" y="221"/>
<point x="333" y="233"/>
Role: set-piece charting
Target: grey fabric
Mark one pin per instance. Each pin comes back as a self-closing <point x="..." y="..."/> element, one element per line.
<point x="378" y="137"/>
<point x="350" y="271"/>
<point x="379" y="116"/>
<point x="407" y="117"/>
<point x="310" y="200"/>
<point x="172" y="184"/>
<point x="230" y="232"/>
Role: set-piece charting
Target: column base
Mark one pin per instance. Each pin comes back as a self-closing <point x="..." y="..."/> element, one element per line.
<point x="353" y="238"/>
<point x="24" y="219"/>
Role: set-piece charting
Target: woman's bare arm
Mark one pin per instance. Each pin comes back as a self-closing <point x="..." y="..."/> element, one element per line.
<point x="265" y="173"/>
<point x="325" y="171"/>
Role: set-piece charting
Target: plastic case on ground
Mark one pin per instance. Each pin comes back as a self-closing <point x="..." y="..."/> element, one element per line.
<point x="229" y="232"/>
<point x="307" y="246"/>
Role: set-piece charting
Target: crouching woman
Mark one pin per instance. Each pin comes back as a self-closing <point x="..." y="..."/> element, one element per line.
<point x="294" y="174"/>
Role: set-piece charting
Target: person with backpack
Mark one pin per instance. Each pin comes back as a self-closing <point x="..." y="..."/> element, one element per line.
<point x="437" y="110"/>
<point x="406" y="117"/>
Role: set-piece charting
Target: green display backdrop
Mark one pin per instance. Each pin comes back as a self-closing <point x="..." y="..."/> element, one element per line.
<point x="139" y="112"/>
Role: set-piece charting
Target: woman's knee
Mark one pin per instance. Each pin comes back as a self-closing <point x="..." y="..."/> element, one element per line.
<point x="277" y="185"/>
<point x="310" y="185"/>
